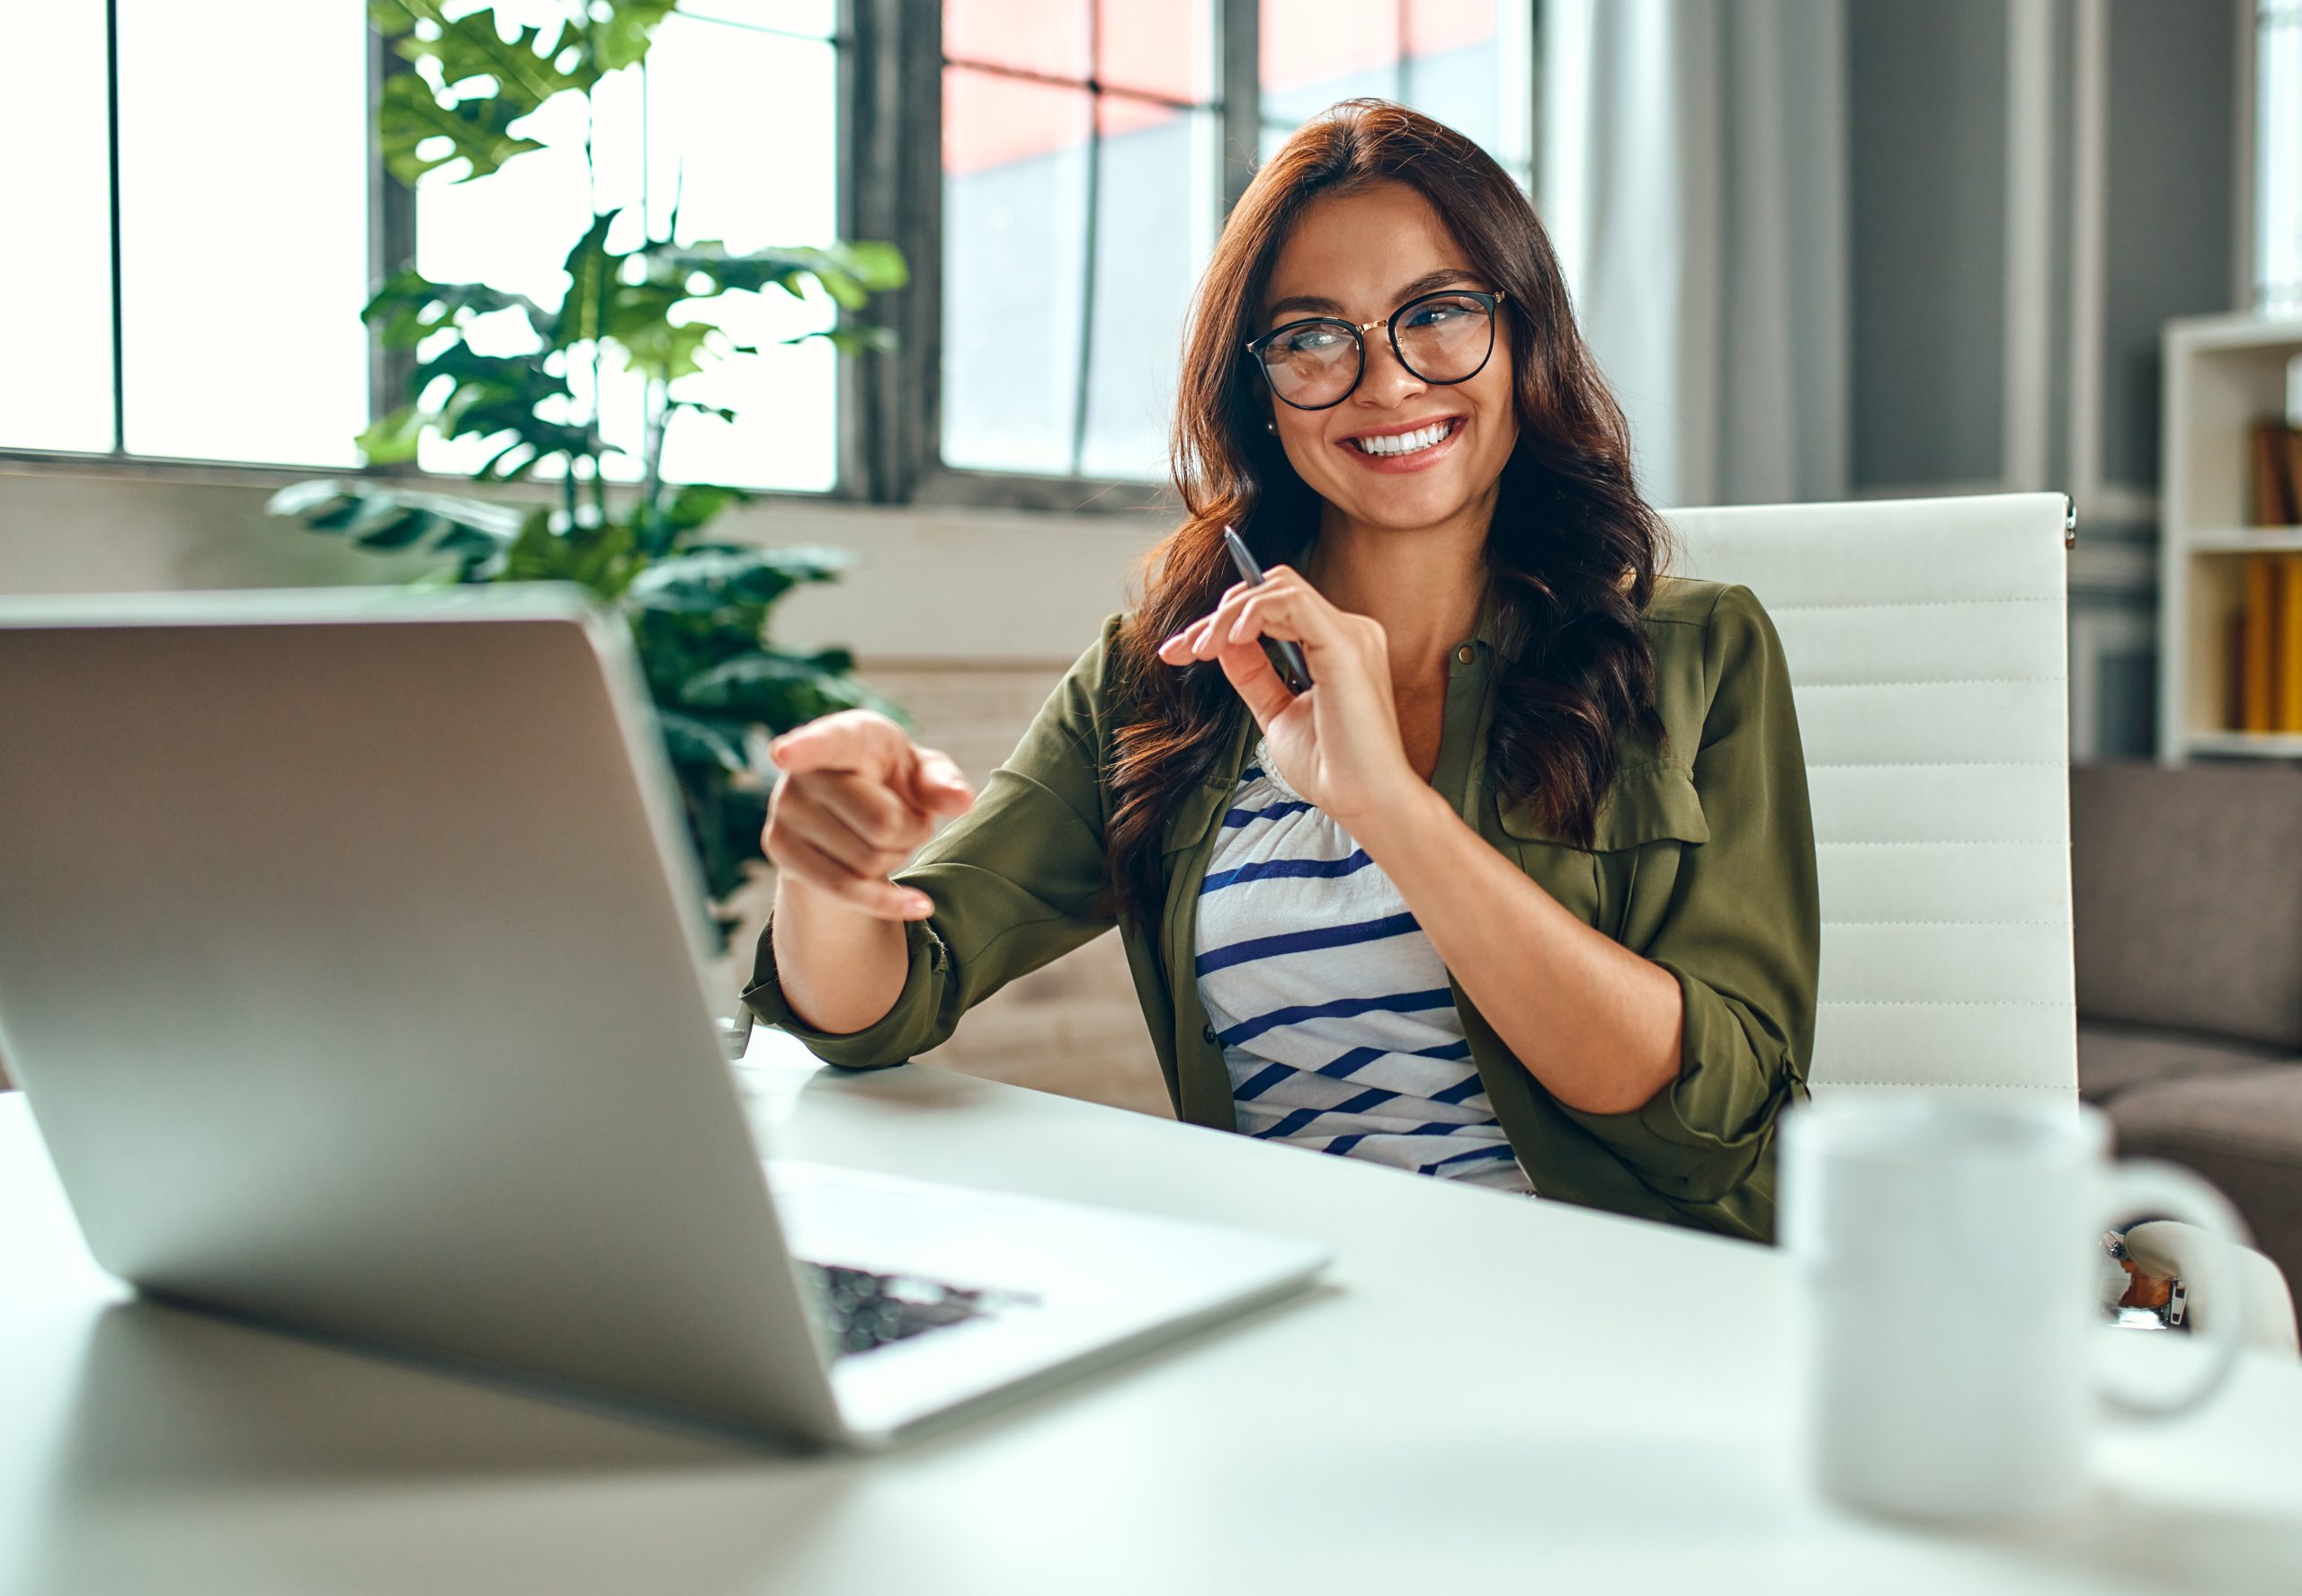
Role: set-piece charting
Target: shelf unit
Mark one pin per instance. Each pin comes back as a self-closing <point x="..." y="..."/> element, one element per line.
<point x="2222" y="373"/>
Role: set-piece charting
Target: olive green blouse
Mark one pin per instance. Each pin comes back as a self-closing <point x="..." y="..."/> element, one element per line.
<point x="1703" y="862"/>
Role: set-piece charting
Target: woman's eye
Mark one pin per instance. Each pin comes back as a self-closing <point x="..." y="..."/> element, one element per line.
<point x="1309" y="341"/>
<point x="1446" y="310"/>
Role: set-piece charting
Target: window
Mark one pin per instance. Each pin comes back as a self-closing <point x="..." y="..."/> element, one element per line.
<point x="2277" y="157"/>
<point x="1055" y="172"/>
<point x="241" y="238"/>
<point x="689" y="139"/>
<point x="1080" y="196"/>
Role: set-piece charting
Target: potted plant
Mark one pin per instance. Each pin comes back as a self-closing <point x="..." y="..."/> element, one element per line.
<point x="698" y="606"/>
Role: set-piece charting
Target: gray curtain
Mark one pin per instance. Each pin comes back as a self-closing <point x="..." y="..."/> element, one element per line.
<point x="1694" y="178"/>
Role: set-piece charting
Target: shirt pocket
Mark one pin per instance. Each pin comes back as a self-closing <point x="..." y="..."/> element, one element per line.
<point x="1623" y="879"/>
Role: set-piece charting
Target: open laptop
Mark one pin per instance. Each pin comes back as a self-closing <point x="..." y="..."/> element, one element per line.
<point x="352" y="953"/>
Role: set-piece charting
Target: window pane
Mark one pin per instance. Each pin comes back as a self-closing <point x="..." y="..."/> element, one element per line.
<point x="696" y="136"/>
<point x="1014" y="233"/>
<point x="1153" y="231"/>
<point x="1048" y="37"/>
<point x="1471" y="63"/>
<point x="817" y="19"/>
<point x="244" y="229"/>
<point x="1161" y="47"/>
<point x="1316" y="52"/>
<point x="750" y="180"/>
<point x="2278" y="109"/>
<point x="55" y="231"/>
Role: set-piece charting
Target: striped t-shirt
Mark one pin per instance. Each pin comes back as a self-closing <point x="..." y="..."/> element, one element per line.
<point x="1337" y="1024"/>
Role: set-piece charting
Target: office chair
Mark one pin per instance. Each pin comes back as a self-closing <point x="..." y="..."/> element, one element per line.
<point x="1928" y="655"/>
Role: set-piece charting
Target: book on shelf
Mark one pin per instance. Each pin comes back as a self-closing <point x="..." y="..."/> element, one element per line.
<point x="2266" y="645"/>
<point x="2276" y="461"/>
<point x="2286" y="652"/>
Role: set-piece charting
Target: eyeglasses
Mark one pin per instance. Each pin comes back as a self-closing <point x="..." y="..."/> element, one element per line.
<point x="1444" y="337"/>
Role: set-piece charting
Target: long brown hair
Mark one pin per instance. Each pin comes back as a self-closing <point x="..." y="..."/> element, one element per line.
<point x="1571" y="553"/>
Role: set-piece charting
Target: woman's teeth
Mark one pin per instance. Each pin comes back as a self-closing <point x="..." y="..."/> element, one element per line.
<point x="1407" y="442"/>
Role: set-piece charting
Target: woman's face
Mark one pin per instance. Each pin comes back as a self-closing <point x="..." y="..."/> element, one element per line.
<point x="1360" y="257"/>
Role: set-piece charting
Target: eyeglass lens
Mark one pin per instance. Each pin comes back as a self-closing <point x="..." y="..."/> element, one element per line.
<point x="1444" y="338"/>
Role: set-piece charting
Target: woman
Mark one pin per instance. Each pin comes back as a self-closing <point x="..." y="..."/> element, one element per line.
<point x="1521" y="893"/>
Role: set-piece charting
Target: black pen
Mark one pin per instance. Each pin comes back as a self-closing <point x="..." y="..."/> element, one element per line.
<point x="1286" y="656"/>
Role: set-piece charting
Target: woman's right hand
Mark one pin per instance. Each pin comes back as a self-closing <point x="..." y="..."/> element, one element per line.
<point x="857" y="799"/>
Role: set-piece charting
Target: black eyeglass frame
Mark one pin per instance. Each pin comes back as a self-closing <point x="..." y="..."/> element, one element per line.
<point x="1487" y="298"/>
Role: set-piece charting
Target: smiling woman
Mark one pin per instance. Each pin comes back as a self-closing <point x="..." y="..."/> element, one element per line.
<point x="1521" y="893"/>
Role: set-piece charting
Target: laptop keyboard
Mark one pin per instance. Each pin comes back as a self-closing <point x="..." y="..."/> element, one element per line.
<point x="859" y="1309"/>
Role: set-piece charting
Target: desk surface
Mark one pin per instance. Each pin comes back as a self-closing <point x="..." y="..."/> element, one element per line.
<point x="1487" y="1390"/>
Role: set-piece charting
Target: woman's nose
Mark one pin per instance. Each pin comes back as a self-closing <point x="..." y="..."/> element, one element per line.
<point x="1388" y="379"/>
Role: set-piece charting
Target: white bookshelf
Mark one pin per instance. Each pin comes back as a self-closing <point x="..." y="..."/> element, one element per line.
<point x="2222" y="373"/>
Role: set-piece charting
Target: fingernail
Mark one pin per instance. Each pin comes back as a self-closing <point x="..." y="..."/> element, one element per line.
<point x="919" y="905"/>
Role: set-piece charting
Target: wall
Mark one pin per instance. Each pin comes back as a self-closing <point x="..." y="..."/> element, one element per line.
<point x="2037" y="186"/>
<point x="968" y="618"/>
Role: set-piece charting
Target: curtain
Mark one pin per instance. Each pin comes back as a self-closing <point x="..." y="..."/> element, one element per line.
<point x="1694" y="180"/>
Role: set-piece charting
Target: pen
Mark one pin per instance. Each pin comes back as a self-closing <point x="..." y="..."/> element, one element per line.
<point x="1286" y="656"/>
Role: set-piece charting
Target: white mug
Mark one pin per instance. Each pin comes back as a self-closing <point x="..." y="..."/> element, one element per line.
<point x="1946" y="1267"/>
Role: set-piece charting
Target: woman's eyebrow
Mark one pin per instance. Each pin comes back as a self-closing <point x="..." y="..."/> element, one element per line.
<point x="1319" y="305"/>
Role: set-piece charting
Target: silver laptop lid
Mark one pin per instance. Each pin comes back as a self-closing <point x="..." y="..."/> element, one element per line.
<point x="350" y="953"/>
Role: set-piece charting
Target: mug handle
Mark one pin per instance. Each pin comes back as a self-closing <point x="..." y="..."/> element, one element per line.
<point x="2166" y="1190"/>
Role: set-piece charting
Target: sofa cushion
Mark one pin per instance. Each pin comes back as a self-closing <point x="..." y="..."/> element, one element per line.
<point x="2187" y="897"/>
<point x="2242" y="1129"/>
<point x="2115" y="1058"/>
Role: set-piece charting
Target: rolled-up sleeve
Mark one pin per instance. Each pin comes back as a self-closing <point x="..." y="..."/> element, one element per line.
<point x="1017" y="881"/>
<point x="1740" y="932"/>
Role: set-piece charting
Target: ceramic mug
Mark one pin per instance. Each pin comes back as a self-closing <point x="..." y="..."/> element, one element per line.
<point x="1946" y="1269"/>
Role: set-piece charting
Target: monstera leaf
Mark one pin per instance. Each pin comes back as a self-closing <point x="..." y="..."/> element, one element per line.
<point x="410" y="307"/>
<point x="478" y="131"/>
<point x="701" y="582"/>
<point x="474" y="531"/>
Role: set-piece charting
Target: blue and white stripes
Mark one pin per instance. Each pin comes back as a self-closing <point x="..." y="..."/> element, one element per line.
<point x="1336" y="1021"/>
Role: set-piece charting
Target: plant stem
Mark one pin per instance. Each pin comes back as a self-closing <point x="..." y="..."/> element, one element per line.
<point x="652" y="451"/>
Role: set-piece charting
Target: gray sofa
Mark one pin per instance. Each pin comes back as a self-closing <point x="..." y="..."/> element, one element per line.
<point x="2186" y="888"/>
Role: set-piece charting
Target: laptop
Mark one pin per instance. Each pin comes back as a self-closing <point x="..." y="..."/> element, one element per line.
<point x="352" y="957"/>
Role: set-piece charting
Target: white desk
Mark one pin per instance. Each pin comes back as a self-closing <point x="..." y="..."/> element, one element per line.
<point x="1491" y="1394"/>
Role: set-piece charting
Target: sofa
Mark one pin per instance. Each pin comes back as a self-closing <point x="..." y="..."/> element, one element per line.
<point x="2187" y="896"/>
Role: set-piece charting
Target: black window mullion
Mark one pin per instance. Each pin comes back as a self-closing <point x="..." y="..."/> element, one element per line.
<point x="392" y="241"/>
<point x="1094" y="210"/>
<point x="1240" y="97"/>
<point x="118" y="313"/>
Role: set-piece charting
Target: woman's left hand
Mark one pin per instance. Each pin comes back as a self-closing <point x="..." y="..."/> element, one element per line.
<point x="1338" y="744"/>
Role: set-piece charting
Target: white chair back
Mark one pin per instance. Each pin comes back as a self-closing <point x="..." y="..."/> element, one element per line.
<point x="1929" y="659"/>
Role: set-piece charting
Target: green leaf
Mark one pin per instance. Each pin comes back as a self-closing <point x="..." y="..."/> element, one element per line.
<point x="393" y="438"/>
<point x="620" y="39"/>
<point x="394" y="18"/>
<point x="721" y="579"/>
<point x="494" y="395"/>
<point x="851" y="273"/>
<point x="524" y="70"/>
<point x="702" y="739"/>
<point x="591" y="281"/>
<point x="478" y="131"/>
<point x="852" y="337"/>
<point x="409" y="307"/>
<point x="781" y="691"/>
<point x="666" y="351"/>
<point x="693" y="505"/>
<point x="379" y="518"/>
